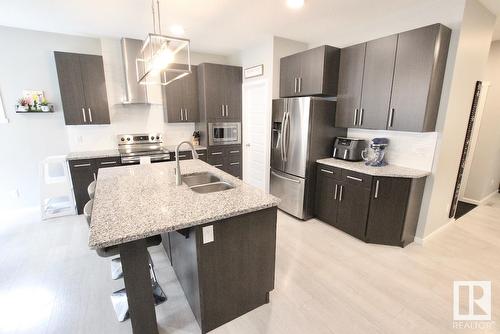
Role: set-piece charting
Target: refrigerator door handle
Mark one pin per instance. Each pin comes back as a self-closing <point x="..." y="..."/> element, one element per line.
<point x="284" y="140"/>
<point x="284" y="178"/>
<point x="281" y="137"/>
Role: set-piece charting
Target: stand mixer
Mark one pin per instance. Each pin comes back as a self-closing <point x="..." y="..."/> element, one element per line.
<point x="378" y="145"/>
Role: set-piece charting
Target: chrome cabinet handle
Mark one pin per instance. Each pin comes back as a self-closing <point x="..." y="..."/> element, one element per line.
<point x="234" y="151"/>
<point x="201" y="154"/>
<point x="355" y="178"/>
<point x="218" y="165"/>
<point x="227" y="110"/>
<point x="90" y="115"/>
<point x="182" y="115"/>
<point x="222" y="110"/>
<point x="335" y="193"/>
<point x="300" y="84"/>
<point x="234" y="163"/>
<point x="84" y="117"/>
<point x="182" y="155"/>
<point x="376" y="189"/>
<point x="295" y="85"/>
<point x="216" y="153"/>
<point x="361" y="113"/>
<point x="391" y="118"/>
<point x="355" y="116"/>
<point x="341" y="193"/>
<point x="284" y="178"/>
<point x="186" y="113"/>
<point x="327" y="171"/>
<point x="108" y="163"/>
<point x="82" y="165"/>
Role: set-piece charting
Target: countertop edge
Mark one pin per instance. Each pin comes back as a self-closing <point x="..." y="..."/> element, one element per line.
<point x="387" y="171"/>
<point x="181" y="226"/>
<point x="112" y="153"/>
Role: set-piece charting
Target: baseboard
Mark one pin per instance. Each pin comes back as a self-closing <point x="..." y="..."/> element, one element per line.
<point x="480" y="202"/>
<point x="488" y="197"/>
<point x="421" y="241"/>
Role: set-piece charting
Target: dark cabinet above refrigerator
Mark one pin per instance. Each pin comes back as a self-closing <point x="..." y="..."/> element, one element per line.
<point x="310" y="73"/>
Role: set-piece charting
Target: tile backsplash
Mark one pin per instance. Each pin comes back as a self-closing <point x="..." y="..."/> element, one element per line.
<point x="408" y="149"/>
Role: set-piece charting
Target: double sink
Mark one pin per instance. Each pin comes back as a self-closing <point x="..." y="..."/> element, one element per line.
<point x="205" y="182"/>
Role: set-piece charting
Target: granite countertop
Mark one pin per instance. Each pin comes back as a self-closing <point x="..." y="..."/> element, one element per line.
<point x="138" y="201"/>
<point x="115" y="153"/>
<point x="92" y="154"/>
<point x="389" y="170"/>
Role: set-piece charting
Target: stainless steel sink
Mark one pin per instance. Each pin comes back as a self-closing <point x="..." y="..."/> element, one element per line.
<point x="197" y="179"/>
<point x="211" y="187"/>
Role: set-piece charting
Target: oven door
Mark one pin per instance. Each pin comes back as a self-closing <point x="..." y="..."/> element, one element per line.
<point x="224" y="133"/>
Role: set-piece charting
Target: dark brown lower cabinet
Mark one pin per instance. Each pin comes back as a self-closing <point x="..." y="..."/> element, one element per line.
<point x="381" y="210"/>
<point x="83" y="172"/>
<point x="186" y="155"/>
<point x="227" y="158"/>
<point x="231" y="275"/>
<point x="353" y="204"/>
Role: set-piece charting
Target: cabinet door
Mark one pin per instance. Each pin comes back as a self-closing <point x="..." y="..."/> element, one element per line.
<point x="190" y="97"/>
<point x="94" y="84"/>
<point x="232" y="160"/>
<point x="289" y="73"/>
<point x="312" y="63"/>
<point x="173" y="101"/>
<point x="71" y="88"/>
<point x="326" y="199"/>
<point x="214" y="78"/>
<point x="377" y="82"/>
<point x="202" y="155"/>
<point x="216" y="157"/>
<point x="82" y="174"/>
<point x="352" y="61"/>
<point x="416" y="54"/>
<point x="387" y="210"/>
<point x="232" y="88"/>
<point x="354" y="202"/>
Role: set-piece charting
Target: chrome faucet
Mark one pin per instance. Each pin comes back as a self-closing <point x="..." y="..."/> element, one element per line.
<point x="178" y="175"/>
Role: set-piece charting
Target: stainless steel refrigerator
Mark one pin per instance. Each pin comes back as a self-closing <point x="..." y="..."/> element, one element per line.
<point x="302" y="131"/>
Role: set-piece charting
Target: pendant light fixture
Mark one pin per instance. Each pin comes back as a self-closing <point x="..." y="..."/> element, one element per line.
<point x="155" y="62"/>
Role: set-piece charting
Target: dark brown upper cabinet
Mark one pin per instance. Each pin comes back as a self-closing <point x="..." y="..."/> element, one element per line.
<point x="180" y="98"/>
<point x="393" y="82"/>
<point x="219" y="92"/>
<point x="365" y="82"/>
<point x="418" y="78"/>
<point x="309" y="73"/>
<point x="83" y="88"/>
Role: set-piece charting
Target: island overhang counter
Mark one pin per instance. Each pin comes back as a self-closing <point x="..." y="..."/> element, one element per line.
<point x="224" y="273"/>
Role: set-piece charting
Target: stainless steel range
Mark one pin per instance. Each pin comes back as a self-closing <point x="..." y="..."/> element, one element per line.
<point x="134" y="146"/>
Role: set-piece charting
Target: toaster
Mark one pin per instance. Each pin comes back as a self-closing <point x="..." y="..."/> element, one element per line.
<point x="348" y="148"/>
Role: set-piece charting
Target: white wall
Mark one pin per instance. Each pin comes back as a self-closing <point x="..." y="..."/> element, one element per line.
<point x="27" y="62"/>
<point x="468" y="66"/>
<point x="484" y="175"/>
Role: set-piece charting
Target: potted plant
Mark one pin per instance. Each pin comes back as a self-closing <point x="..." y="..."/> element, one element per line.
<point x="23" y="104"/>
<point x="44" y="105"/>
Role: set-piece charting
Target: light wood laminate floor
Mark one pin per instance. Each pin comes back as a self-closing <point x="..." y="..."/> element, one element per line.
<point x="326" y="281"/>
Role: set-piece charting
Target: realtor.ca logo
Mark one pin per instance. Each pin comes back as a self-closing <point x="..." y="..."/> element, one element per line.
<point x="472" y="305"/>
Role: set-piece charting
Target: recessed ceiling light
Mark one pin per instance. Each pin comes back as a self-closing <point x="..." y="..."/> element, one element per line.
<point x="295" y="4"/>
<point x="177" y="30"/>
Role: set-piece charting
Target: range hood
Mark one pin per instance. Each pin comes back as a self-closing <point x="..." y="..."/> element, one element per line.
<point x="134" y="92"/>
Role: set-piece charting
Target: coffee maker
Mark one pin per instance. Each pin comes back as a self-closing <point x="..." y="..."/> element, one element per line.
<point x="378" y="146"/>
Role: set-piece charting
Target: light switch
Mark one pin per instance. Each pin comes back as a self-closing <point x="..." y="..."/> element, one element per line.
<point x="208" y="234"/>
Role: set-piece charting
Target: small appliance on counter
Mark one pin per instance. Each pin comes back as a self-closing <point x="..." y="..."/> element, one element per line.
<point x="196" y="138"/>
<point x="378" y="145"/>
<point x="348" y="148"/>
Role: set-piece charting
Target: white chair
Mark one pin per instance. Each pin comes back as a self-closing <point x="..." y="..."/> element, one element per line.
<point x="56" y="194"/>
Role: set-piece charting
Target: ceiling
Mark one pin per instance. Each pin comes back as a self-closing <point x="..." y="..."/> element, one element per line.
<point x="227" y="26"/>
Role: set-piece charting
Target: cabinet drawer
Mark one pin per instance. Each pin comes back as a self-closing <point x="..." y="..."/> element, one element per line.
<point x="202" y="154"/>
<point x="356" y="179"/>
<point x="107" y="162"/>
<point x="329" y="171"/>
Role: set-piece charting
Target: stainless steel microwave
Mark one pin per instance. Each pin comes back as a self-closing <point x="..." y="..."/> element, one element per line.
<point x="224" y="133"/>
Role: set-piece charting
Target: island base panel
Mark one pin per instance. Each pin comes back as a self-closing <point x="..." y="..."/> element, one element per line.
<point x="232" y="275"/>
<point x="135" y="263"/>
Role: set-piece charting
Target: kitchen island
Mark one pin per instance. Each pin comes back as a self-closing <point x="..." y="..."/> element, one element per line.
<point x="222" y="244"/>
